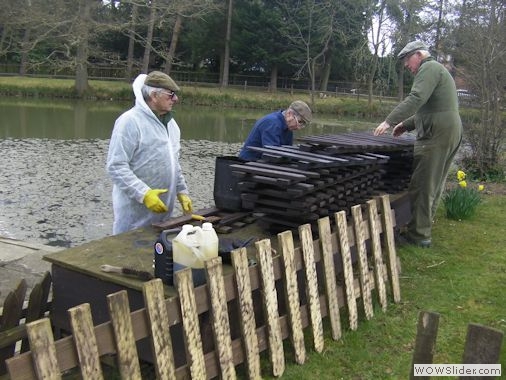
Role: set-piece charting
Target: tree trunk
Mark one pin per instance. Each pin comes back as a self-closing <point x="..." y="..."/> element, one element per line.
<point x="83" y="23"/>
<point x="5" y="30"/>
<point x="149" y="38"/>
<point x="400" y="81"/>
<point x="326" y="72"/>
<point x="131" y="43"/>
<point x="370" y="79"/>
<point x="226" y="57"/>
<point x="173" y="43"/>
<point x="222" y="64"/>
<point x="24" y="52"/>
<point x="273" y="85"/>
<point x="312" y="73"/>
<point x="438" y="29"/>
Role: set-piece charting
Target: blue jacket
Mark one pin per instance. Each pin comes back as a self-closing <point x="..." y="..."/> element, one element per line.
<point x="269" y="130"/>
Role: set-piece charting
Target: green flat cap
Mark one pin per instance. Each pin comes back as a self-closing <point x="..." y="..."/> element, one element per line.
<point x="158" y="79"/>
<point x="302" y="109"/>
<point x="412" y="47"/>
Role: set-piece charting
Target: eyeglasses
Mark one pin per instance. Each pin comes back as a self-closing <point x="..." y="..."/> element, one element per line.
<point x="170" y="94"/>
<point x="299" y="119"/>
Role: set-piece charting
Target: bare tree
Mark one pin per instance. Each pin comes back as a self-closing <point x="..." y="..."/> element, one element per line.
<point x="406" y="17"/>
<point x="149" y="37"/>
<point x="226" y="53"/>
<point x="378" y="43"/>
<point x="10" y="15"/>
<point x="83" y="23"/>
<point x="312" y="27"/>
<point x="131" y="41"/>
<point x="176" y="31"/>
<point x="480" y="55"/>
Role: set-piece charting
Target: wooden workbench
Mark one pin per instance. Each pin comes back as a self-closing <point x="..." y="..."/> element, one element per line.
<point x="77" y="277"/>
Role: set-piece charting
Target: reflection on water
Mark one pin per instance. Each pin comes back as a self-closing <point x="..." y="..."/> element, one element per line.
<point x="53" y="185"/>
<point x="65" y="119"/>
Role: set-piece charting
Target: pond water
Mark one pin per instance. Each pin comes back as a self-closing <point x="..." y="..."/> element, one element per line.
<point x="53" y="185"/>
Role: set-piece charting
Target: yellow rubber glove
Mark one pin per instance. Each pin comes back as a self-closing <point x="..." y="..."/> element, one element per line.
<point x="153" y="202"/>
<point x="186" y="203"/>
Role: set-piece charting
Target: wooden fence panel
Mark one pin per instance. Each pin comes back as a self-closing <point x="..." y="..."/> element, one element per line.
<point x="83" y="332"/>
<point x="37" y="304"/>
<point x="374" y="231"/>
<point x="330" y="276"/>
<point x="219" y="317"/>
<point x="292" y="295"/>
<point x="363" y="265"/>
<point x="270" y="303"/>
<point x="388" y="235"/>
<point x="40" y="337"/>
<point x="193" y="339"/>
<point x="247" y="315"/>
<point x="351" y="299"/>
<point x="306" y="241"/>
<point x="158" y="318"/>
<point x="119" y="310"/>
<point x="12" y="309"/>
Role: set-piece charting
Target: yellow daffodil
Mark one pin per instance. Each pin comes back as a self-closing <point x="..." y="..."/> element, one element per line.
<point x="461" y="176"/>
<point x="461" y="201"/>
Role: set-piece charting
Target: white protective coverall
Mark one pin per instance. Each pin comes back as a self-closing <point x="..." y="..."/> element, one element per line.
<point x="143" y="154"/>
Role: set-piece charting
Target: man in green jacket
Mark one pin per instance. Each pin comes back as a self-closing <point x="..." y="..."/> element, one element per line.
<point x="431" y="108"/>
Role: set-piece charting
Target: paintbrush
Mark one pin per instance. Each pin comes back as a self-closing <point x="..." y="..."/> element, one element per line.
<point x="140" y="274"/>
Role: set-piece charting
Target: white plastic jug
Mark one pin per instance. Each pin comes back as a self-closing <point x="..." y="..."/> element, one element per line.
<point x="209" y="241"/>
<point x="193" y="245"/>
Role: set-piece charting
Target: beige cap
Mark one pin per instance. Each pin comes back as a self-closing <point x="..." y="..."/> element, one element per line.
<point x="158" y="79"/>
<point x="412" y="47"/>
<point x="302" y="109"/>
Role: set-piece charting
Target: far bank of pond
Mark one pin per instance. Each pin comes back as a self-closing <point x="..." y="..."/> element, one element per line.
<point x="332" y="104"/>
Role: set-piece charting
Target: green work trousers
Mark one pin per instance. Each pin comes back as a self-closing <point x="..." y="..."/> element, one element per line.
<point x="432" y="159"/>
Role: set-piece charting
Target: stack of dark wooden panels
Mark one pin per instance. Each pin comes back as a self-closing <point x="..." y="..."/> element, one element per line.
<point x="294" y="185"/>
<point x="398" y="149"/>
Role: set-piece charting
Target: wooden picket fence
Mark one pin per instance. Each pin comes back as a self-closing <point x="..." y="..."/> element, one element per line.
<point x="251" y="310"/>
<point x="15" y="315"/>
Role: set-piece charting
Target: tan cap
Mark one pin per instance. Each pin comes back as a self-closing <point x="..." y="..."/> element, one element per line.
<point x="412" y="47"/>
<point x="158" y="79"/>
<point x="302" y="109"/>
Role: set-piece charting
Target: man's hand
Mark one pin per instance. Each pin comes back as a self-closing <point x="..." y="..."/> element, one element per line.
<point x="186" y="203"/>
<point x="153" y="202"/>
<point x="382" y="128"/>
<point x="399" y="129"/>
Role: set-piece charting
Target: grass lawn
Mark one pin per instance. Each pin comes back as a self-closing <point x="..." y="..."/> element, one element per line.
<point x="462" y="277"/>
